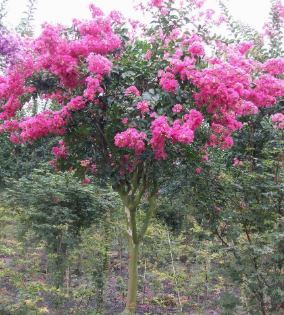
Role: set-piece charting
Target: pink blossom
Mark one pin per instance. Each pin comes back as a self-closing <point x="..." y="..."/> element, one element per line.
<point x="166" y="55"/>
<point x="132" y="90"/>
<point x="181" y="132"/>
<point x="116" y="16"/>
<point x="143" y="106"/>
<point x="160" y="130"/>
<point x="237" y="162"/>
<point x="274" y="66"/>
<point x="164" y="11"/>
<point x="95" y="11"/>
<point x="197" y="171"/>
<point x="168" y="82"/>
<point x="76" y="103"/>
<point x="156" y="3"/>
<point x="133" y="23"/>
<point x="177" y="108"/>
<point x="125" y="120"/>
<point x="99" y="64"/>
<point x="209" y="14"/>
<point x="85" y="181"/>
<point x="148" y="54"/>
<point x="61" y="152"/>
<point x="132" y="139"/>
<point x="278" y="119"/>
<point x="244" y="47"/>
<point x="92" y="168"/>
<point x="196" y="49"/>
<point x="218" y="209"/>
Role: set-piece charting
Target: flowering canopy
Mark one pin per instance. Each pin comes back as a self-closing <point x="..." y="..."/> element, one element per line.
<point x="127" y="101"/>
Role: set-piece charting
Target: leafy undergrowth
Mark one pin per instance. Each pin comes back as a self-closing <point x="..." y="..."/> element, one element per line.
<point x="177" y="274"/>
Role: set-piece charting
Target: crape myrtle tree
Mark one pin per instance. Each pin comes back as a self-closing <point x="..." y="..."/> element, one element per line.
<point x="131" y="111"/>
<point x="56" y="209"/>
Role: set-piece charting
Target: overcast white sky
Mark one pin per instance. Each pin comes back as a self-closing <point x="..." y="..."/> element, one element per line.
<point x="253" y="12"/>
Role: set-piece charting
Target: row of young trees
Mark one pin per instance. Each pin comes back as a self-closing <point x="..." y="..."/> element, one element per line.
<point x="146" y="108"/>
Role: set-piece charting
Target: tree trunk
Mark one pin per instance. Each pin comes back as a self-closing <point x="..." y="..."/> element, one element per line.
<point x="107" y="237"/>
<point x="131" y="200"/>
<point x="132" y="277"/>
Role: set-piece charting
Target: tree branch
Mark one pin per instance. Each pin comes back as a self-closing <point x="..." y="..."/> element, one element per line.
<point x="149" y="213"/>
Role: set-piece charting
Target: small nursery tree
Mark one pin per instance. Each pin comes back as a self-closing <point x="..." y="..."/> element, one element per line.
<point x="130" y="110"/>
<point x="56" y="207"/>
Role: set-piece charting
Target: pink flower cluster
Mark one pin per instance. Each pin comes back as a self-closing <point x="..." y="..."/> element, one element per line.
<point x="76" y="103"/>
<point x="13" y="86"/>
<point x="125" y="120"/>
<point x="99" y="64"/>
<point x="227" y="89"/>
<point x="168" y="82"/>
<point x="267" y="89"/>
<point x="156" y="3"/>
<point x="274" y="66"/>
<point x="59" y="152"/>
<point x="59" y="57"/>
<point x="116" y="17"/>
<point x="196" y="49"/>
<point x="131" y="139"/>
<point x="42" y="124"/>
<point x="98" y="36"/>
<point x="143" y="106"/>
<point x="12" y="127"/>
<point x="92" y="168"/>
<point x="237" y="162"/>
<point x="244" y="47"/>
<point x="160" y="129"/>
<point x="33" y="128"/>
<point x="183" y="67"/>
<point x="132" y="90"/>
<point x="177" y="108"/>
<point x="85" y="181"/>
<point x="95" y="11"/>
<point x="148" y="54"/>
<point x="278" y="119"/>
<point x="182" y="131"/>
<point x="93" y="86"/>
<point x="279" y="8"/>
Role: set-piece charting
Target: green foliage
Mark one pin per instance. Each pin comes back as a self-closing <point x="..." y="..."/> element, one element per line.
<point x="56" y="207"/>
<point x="229" y="301"/>
<point x="3" y="11"/>
<point x="19" y="160"/>
<point x="25" y="27"/>
<point x="62" y="216"/>
<point x="53" y="203"/>
<point x="249" y="224"/>
<point x="276" y="32"/>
